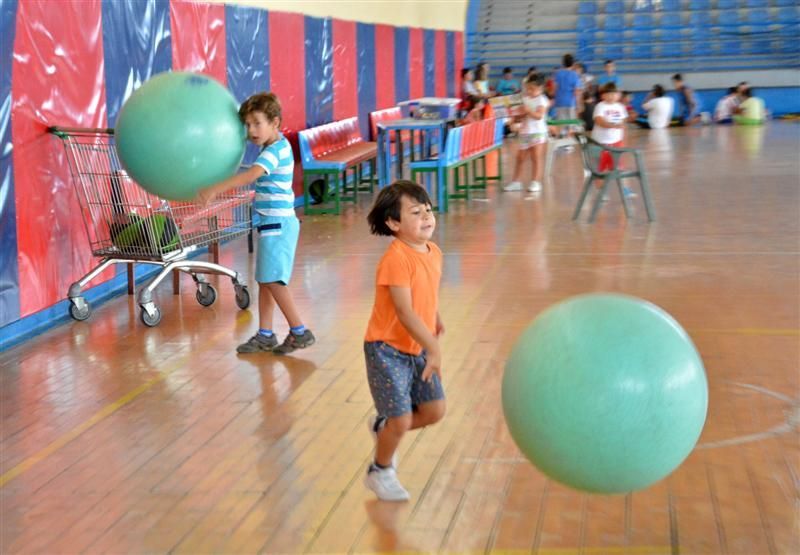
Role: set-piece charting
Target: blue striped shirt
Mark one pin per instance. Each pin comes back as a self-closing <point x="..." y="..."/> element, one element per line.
<point x="274" y="195"/>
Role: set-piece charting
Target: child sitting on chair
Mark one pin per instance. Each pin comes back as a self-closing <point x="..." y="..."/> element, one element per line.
<point x="609" y="127"/>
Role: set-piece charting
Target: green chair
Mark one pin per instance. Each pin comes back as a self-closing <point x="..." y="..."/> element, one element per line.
<point x="591" y="150"/>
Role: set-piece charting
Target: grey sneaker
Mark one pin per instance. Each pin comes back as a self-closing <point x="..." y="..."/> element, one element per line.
<point x="294" y="342"/>
<point x="375" y="425"/>
<point x="258" y="343"/>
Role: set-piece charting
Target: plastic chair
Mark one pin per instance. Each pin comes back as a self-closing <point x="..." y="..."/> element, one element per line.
<point x="587" y="8"/>
<point x="642" y="20"/>
<point x="757" y="4"/>
<point x="727" y="4"/>
<point x="585" y="22"/>
<point x="670" y="5"/>
<point x="699" y="4"/>
<point x="671" y="20"/>
<point x="590" y="151"/>
<point x="615" y="22"/>
<point x="615" y="6"/>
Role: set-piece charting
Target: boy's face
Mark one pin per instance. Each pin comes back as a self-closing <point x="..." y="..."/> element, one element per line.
<point x="610" y="68"/>
<point x="532" y="89"/>
<point x="260" y="130"/>
<point x="417" y="222"/>
<point x="611" y="97"/>
<point x="508" y="76"/>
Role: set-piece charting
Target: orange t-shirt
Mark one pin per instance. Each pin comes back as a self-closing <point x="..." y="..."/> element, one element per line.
<point x="402" y="266"/>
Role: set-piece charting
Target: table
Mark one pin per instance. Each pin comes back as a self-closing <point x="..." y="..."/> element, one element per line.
<point x="433" y="132"/>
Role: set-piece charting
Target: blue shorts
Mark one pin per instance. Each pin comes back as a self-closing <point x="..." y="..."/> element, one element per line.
<point x="277" y="241"/>
<point x="395" y="380"/>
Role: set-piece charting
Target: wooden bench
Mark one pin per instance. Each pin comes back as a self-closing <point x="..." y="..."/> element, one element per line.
<point x="464" y="146"/>
<point x="328" y="152"/>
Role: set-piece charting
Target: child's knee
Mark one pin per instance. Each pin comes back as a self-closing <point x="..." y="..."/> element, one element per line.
<point x="273" y="286"/>
<point x="433" y="411"/>
<point x="399" y="424"/>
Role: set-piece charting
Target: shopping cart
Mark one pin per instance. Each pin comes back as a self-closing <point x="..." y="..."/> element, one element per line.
<point x="126" y="224"/>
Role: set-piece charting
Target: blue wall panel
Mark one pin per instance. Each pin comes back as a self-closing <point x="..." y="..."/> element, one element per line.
<point x="136" y="45"/>
<point x="365" y="44"/>
<point x="429" y="49"/>
<point x="9" y="271"/>
<point x="247" y="56"/>
<point x="401" y="63"/>
<point x="450" y="63"/>
<point x="319" y="71"/>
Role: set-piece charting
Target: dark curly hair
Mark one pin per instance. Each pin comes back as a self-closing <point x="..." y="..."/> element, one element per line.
<point x="387" y="204"/>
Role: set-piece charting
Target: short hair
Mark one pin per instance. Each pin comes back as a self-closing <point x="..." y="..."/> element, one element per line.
<point x="568" y="60"/>
<point x="732" y="90"/>
<point x="507" y="70"/>
<point x="532" y="69"/>
<point x="658" y="90"/>
<point x="387" y="204"/>
<point x="608" y="88"/>
<point x="265" y="102"/>
<point x="536" y="79"/>
<point x="464" y="71"/>
<point x="626" y="93"/>
<point x="677" y="77"/>
<point x="607" y="62"/>
<point x="748" y="92"/>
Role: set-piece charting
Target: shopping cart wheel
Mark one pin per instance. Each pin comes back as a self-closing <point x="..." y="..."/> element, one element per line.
<point x="206" y="294"/>
<point x="242" y="297"/>
<point x="79" y="313"/>
<point x="148" y="320"/>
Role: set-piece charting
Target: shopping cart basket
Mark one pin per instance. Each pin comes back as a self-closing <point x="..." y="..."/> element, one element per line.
<point x="126" y="224"/>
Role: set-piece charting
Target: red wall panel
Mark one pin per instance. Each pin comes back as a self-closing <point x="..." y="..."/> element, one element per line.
<point x="57" y="79"/>
<point x="441" y="64"/>
<point x="459" y="43"/>
<point x="345" y="73"/>
<point x="288" y="76"/>
<point x="416" y="66"/>
<point x="198" y="38"/>
<point x="384" y="66"/>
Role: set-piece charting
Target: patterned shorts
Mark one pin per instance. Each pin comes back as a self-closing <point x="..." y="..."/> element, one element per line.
<point x="528" y="140"/>
<point x="395" y="380"/>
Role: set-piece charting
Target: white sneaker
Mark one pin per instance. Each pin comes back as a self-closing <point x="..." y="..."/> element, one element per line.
<point x="535" y="187"/>
<point x="384" y="482"/>
<point x="513" y="186"/>
<point x="375" y="424"/>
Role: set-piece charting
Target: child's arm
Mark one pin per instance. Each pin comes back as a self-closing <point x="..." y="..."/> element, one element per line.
<point x="401" y="297"/>
<point x="439" y="325"/>
<point x="246" y="177"/>
<point x="603" y="122"/>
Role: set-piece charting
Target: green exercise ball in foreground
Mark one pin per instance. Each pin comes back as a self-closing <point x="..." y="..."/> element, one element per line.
<point x="180" y="132"/>
<point x="605" y="393"/>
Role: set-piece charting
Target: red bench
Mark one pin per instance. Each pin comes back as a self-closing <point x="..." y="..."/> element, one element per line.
<point x="328" y="152"/>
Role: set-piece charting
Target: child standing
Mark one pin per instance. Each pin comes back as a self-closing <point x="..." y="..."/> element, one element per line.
<point x="609" y="126"/>
<point x="401" y="344"/>
<point x="276" y="222"/>
<point x="532" y="136"/>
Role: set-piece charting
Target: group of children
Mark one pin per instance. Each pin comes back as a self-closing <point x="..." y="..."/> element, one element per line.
<point x="401" y="345"/>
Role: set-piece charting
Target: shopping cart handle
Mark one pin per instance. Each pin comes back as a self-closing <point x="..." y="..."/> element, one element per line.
<point x="66" y="131"/>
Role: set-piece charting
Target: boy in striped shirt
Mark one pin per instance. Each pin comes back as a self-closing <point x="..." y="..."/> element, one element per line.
<point x="276" y="222"/>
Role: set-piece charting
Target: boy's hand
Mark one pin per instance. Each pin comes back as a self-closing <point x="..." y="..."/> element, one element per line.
<point x="205" y="196"/>
<point x="433" y="365"/>
<point x="439" y="327"/>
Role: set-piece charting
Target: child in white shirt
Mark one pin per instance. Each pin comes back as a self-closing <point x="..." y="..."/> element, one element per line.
<point x="610" y="116"/>
<point x="532" y="135"/>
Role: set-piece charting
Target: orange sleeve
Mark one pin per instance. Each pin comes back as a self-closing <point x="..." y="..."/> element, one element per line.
<point x="394" y="270"/>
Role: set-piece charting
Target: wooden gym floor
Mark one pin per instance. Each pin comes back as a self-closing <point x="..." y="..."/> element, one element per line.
<point x="117" y="438"/>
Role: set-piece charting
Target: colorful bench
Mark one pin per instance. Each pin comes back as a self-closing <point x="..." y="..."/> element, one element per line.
<point x="464" y="146"/>
<point x="329" y="151"/>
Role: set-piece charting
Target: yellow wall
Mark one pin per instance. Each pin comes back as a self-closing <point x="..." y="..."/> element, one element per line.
<point x="431" y="14"/>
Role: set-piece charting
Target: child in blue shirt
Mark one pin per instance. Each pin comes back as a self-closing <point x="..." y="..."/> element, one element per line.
<point x="276" y="222"/>
<point x="507" y="85"/>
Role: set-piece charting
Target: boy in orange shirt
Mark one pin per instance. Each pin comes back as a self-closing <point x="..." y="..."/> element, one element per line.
<point x="401" y="344"/>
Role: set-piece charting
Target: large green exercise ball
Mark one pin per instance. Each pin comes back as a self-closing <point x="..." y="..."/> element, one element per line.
<point x="180" y="132"/>
<point x="605" y="393"/>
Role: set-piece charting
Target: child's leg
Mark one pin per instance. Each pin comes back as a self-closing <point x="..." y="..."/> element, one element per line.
<point x="538" y="161"/>
<point x="285" y="301"/>
<point x="266" y="306"/>
<point x="389" y="437"/>
<point x="521" y="155"/>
